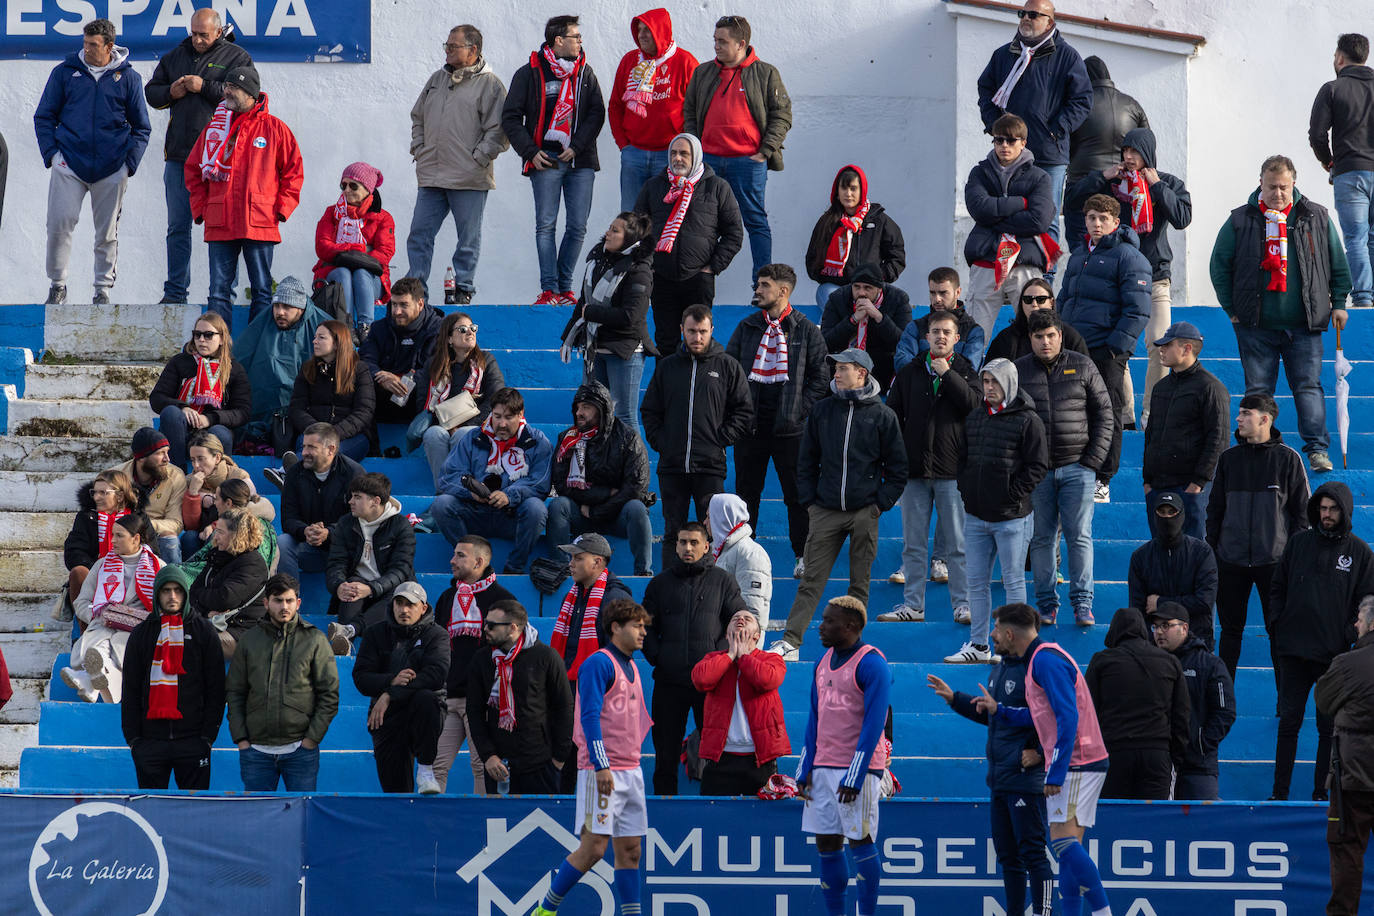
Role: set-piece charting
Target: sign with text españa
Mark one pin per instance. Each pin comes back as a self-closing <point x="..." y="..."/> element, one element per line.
<point x="270" y="30"/>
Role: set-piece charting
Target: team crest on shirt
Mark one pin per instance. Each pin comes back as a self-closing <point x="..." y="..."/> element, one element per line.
<point x="260" y="142"/>
<point x="1008" y="687"/>
<point x="601" y="820"/>
<point x="1343" y="563"/>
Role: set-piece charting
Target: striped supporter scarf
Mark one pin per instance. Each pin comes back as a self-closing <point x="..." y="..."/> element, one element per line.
<point x="504" y="701"/>
<point x="568" y="73"/>
<point x="110" y="580"/>
<point x="1276" y="246"/>
<point x="770" y="362"/>
<point x="587" y="644"/>
<point x="639" y="88"/>
<point x="680" y="190"/>
<point x="465" y="618"/>
<point x="1134" y="191"/>
<point x="167" y="664"/>
<point x="104" y="527"/>
<point x="206" y="387"/>
<point x="837" y="252"/>
<point x="215" y="153"/>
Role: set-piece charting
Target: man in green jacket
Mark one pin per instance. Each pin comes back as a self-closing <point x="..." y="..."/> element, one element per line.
<point x="1279" y="271"/>
<point x="283" y="691"/>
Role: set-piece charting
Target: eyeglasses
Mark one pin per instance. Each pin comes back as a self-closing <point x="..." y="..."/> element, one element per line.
<point x="1165" y="627"/>
<point x="1005" y="141"/>
<point x="1036" y="300"/>
<point x="493" y="624"/>
<point x="1030" y="14"/>
<point x="573" y="36"/>
<point x="204" y="335"/>
<point x="350" y="186"/>
<point x="465" y="328"/>
<point x="452" y="47"/>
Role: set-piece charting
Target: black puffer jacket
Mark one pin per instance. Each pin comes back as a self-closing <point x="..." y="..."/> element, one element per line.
<point x="238" y="394"/>
<point x="932" y="419"/>
<point x="807" y="378"/>
<point x="840" y="332"/>
<point x="694" y="408"/>
<point x="1022" y="205"/>
<point x="543" y="708"/>
<point x="1013" y="341"/>
<point x="1183" y="571"/>
<point x="192" y="111"/>
<point x="1096" y="143"/>
<point x="711" y="234"/>
<point x="230" y="582"/>
<point x="393" y="550"/>
<point x="387" y="647"/>
<point x="615" y="294"/>
<point x="306" y="499"/>
<point x="317" y="402"/>
<point x="1139" y="690"/>
<point x="82" y="546"/>
<point x="691" y="605"/>
<point x="616" y="466"/>
<point x="1316" y="590"/>
<point x="1190" y="412"/>
<point x="1213" y="698"/>
<point x="1346" y="694"/>
<point x="401" y="350"/>
<point x="851" y="454"/>
<point x="1005" y="456"/>
<point x="1072" y="401"/>
<point x="1259" y="500"/>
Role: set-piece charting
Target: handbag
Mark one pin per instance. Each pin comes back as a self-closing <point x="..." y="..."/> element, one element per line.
<point x="358" y="260"/>
<point x="455" y="411"/>
<point x="123" y="617"/>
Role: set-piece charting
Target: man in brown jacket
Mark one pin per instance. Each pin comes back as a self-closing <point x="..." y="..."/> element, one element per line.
<point x="160" y="485"/>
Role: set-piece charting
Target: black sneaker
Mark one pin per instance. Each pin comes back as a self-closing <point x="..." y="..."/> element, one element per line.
<point x="172" y="300"/>
<point x="277" y="476"/>
<point x="101" y="296"/>
<point x="57" y="294"/>
<point x="463" y="297"/>
<point x="288" y="461"/>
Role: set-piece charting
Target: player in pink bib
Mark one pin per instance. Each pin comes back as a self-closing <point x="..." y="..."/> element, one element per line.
<point x="610" y="724"/>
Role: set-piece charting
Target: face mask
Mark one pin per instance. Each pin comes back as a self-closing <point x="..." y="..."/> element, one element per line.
<point x="1170" y="528"/>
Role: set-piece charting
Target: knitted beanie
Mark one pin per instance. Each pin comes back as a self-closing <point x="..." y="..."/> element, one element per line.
<point x="366" y="175"/>
<point x="146" y="441"/>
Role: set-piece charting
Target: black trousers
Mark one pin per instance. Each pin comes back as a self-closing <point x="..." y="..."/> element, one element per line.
<point x="361" y="614"/>
<point x="1297" y="677"/>
<point x="670" y="298"/>
<point x="751" y="471"/>
<point x="1113" y="371"/>
<point x="671" y="703"/>
<point x="1347" y="837"/>
<point x="1196" y="787"/>
<point x="409" y="735"/>
<point x="1020" y="832"/>
<point x="736" y="774"/>
<point x="157" y="759"/>
<point x="1233" y="603"/>
<point x="1140" y="773"/>
<point x="676" y="493"/>
<point x="541" y="780"/>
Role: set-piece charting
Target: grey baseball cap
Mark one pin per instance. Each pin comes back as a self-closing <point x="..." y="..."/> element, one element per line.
<point x="853" y="355"/>
<point x="412" y="592"/>
<point x="591" y="542"/>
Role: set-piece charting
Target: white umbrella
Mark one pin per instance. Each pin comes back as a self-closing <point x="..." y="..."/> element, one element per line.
<point x="1343" y="368"/>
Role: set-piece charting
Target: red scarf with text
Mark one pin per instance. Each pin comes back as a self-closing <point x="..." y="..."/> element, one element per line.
<point x="568" y="72"/>
<point x="167" y="664"/>
<point x="770" y="360"/>
<point x="842" y="242"/>
<point x="587" y="644"/>
<point x="1134" y="191"/>
<point x="680" y="191"/>
<point x="465" y="617"/>
<point x="1275" y="246"/>
<point x="504" y="455"/>
<point x="219" y="144"/>
<point x="505" y="674"/>
<point x="639" y="88"/>
<point x="110" y="580"/>
<point x="206" y="387"/>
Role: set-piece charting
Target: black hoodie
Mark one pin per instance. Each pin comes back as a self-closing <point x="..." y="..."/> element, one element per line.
<point x="1317" y="587"/>
<point x="615" y="465"/>
<point x="1345" y="107"/>
<point x="1259" y="500"/>
<point x="1214" y="704"/>
<point x="1176" y="567"/>
<point x="1139" y="690"/>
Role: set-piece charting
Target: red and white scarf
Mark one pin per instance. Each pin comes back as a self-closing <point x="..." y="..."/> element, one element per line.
<point x="1009" y="250"/>
<point x="1275" y="246"/>
<point x="639" y="89"/>
<point x="104" y="527"/>
<point x="587" y="644"/>
<point x="110" y="587"/>
<point x="206" y="387"/>
<point x="219" y="144"/>
<point x="465" y="617"/>
<point x="842" y="242"/>
<point x="437" y="394"/>
<point x="715" y="554"/>
<point x="348" y="230"/>
<point x="504" y="700"/>
<point x="1134" y="191"/>
<point x="505" y="455"/>
<point x="576" y="442"/>
<point x="167" y="664"/>
<point x="861" y="334"/>
<point x="770" y="361"/>
<point x="568" y="72"/>
<point x="680" y="189"/>
<point x="473" y="385"/>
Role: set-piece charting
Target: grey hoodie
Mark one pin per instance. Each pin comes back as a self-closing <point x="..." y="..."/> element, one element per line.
<point x="367" y="563"/>
<point x="1004" y="371"/>
<point x="740" y="555"/>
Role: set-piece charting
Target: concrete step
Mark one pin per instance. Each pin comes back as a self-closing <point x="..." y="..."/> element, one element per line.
<point x="9" y="777"/>
<point x="33" y="529"/>
<point x="24" y="706"/>
<point x="22" y="612"/>
<point x="13" y="740"/>
<point x="32" y="570"/>
<point x="91" y="380"/>
<point x="78" y="417"/>
<point x="118" y="332"/>
<point x="61" y="453"/>
<point x="30" y="655"/>
<point x="41" y="491"/>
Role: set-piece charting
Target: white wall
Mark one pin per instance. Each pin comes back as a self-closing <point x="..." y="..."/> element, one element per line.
<point x="873" y="83"/>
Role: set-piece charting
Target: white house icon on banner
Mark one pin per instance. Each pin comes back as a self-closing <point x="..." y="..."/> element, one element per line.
<point x="492" y="900"/>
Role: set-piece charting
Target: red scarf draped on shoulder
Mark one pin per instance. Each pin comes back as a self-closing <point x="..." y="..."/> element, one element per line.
<point x="505" y="675"/>
<point x="206" y="387"/>
<point x="587" y="644"/>
<point x="559" y="126"/>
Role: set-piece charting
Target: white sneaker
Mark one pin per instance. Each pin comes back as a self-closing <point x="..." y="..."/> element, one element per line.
<point x="80" y="681"/>
<point x="425" y="783"/>
<point x="969" y="654"/>
<point x="799" y="569"/>
<point x="898" y="577"/>
<point x="963" y="615"/>
<point x="789" y="652"/>
<point x="939" y="572"/>
<point x="1102" y="493"/>
<point x="94" y="663"/>
<point x="904" y="614"/>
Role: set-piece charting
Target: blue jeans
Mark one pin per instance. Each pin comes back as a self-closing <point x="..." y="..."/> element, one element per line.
<point x="749" y="180"/>
<point x="919" y="497"/>
<point x="823" y="292"/>
<point x="1063" y="498"/>
<point x="224" y="273"/>
<point x="621" y="378"/>
<point x="1301" y="350"/>
<point x="169" y="548"/>
<point x="1057" y="173"/>
<point x="456" y="517"/>
<point x="178" y="285"/>
<point x="1194" y="509"/>
<point x="172" y="423"/>
<point x="190" y="542"/>
<point x="360" y="291"/>
<point x="566" y="519"/>
<point x="574" y="187"/>
<point x="636" y="167"/>
<point x="296" y="555"/>
<point x="985" y="542"/>
<point x="432" y="205"/>
<point x="1355" y="207"/>
<point x="297" y="770"/>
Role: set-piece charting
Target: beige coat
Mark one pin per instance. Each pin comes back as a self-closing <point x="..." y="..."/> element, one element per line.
<point x="164" y="503"/>
<point x="455" y="129"/>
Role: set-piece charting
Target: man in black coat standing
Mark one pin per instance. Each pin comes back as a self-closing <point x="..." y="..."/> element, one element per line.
<point x="697" y="404"/>
<point x="1096" y="143"/>
<point x="520" y="707"/>
<point x="1142" y="703"/>
<point x="869" y="314"/>
<point x="783" y="353"/>
<point x="691" y="603"/>
<point x="1173" y="566"/>
<point x="1211" y="693"/>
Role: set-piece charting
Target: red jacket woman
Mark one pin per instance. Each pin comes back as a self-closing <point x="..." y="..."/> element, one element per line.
<point x="361" y="205"/>
<point x="758" y="675"/>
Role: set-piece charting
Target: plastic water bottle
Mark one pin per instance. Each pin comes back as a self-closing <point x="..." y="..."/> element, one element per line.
<point x="503" y="787"/>
<point x="450" y="287"/>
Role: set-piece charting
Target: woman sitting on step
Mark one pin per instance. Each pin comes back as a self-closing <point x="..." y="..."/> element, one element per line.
<point x="115" y="598"/>
<point x="228" y="589"/>
<point x="235" y="494"/>
<point x="199" y="390"/>
<point x="335" y="387"/>
<point x="210" y="467"/>
<point x="109" y="497"/>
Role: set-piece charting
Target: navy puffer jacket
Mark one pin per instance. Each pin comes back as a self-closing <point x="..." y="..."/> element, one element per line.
<point x="1106" y="292"/>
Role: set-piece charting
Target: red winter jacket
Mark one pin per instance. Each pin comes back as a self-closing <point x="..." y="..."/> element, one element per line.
<point x="663" y="122"/>
<point x="264" y="184"/>
<point x="379" y="233"/>
<point x="758" y="675"/>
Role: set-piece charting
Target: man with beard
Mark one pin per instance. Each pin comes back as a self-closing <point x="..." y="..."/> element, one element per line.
<point x="314" y="497"/>
<point x="1212" y="696"/>
<point x="160" y="486"/>
<point x="1173" y="566"/>
<point x="946" y="295"/>
<point x="398" y="346"/>
<point x="270" y="351"/>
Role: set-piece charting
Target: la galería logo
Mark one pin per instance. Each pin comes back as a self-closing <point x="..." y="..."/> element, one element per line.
<point x="98" y="850"/>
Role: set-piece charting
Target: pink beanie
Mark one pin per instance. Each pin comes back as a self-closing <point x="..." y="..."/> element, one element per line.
<point x="366" y="175"/>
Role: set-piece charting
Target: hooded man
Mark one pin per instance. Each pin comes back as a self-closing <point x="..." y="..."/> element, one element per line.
<point x="601" y="473"/>
<point x="853" y="231"/>
<point x="371" y="552"/>
<point x="271" y="350"/>
<point x="738" y="553"/>
<point x="1213" y="701"/>
<point x="173" y="699"/>
<point x="697" y="224"/>
<point x="1313" y="601"/>
<point x="645" y="108"/>
<point x="160" y="485"/>
<point x="1173" y="566"/>
<point x="1142" y="702"/>
<point x="92" y="129"/>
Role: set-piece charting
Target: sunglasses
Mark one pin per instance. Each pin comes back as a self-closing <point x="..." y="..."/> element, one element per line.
<point x="1036" y="300"/>
<point x="350" y="186"/>
<point x="727" y="22"/>
<point x="1030" y="14"/>
<point x="493" y="624"/>
<point x="1006" y="141"/>
<point x="204" y="335"/>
